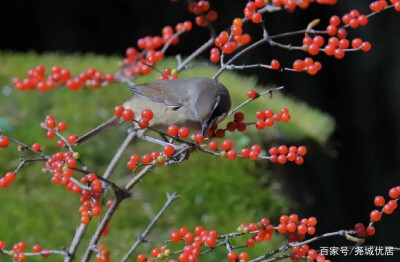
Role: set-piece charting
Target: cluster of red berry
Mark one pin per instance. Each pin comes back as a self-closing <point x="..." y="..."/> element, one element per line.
<point x="290" y="5"/>
<point x="227" y="44"/>
<point x="292" y="226"/>
<point x="203" y="13"/>
<point x="193" y="243"/>
<point x="250" y="11"/>
<point x="19" y="248"/>
<point x="128" y="115"/>
<point x="267" y="118"/>
<point x="379" y="5"/>
<point x="168" y="74"/>
<point x="61" y="165"/>
<point x="7" y="179"/>
<point x="103" y="255"/>
<point x="282" y="154"/>
<point x="387" y="208"/>
<point x="136" y="63"/>
<point x="90" y="198"/>
<point x="308" y="65"/>
<point x="61" y="77"/>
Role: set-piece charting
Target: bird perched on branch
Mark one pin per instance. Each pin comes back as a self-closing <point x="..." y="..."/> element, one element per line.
<point x="196" y="103"/>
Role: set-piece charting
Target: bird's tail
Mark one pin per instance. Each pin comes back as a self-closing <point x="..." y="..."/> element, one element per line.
<point x="113" y="121"/>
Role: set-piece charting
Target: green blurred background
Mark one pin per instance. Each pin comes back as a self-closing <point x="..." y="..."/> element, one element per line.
<point x="237" y="191"/>
<point x="347" y="115"/>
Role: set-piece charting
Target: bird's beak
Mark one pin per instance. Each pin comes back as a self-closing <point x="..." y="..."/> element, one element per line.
<point x="204" y="129"/>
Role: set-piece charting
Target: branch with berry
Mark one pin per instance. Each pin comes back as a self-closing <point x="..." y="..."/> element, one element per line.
<point x="66" y="166"/>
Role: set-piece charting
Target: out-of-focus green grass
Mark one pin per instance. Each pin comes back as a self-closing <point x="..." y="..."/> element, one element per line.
<point x="216" y="193"/>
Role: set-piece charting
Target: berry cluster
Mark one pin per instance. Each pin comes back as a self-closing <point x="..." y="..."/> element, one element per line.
<point x="250" y="11"/>
<point x="227" y="44"/>
<point x="61" y="165"/>
<point x="103" y="255"/>
<point x="90" y="198"/>
<point x="203" y="13"/>
<point x="181" y="132"/>
<point x="267" y="118"/>
<point x="388" y="207"/>
<point x="290" y="5"/>
<point x="307" y="65"/>
<point x="7" y="179"/>
<point x="156" y="157"/>
<point x="168" y="74"/>
<point x="354" y="19"/>
<point x="19" y="249"/>
<point x="193" y="244"/>
<point x="53" y="128"/>
<point x="282" y="154"/>
<point x="128" y="115"/>
<point x="61" y="77"/>
<point x="291" y="226"/>
<point x="379" y="5"/>
<point x="137" y="63"/>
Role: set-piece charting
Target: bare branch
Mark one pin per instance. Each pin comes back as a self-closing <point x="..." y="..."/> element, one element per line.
<point x="141" y="237"/>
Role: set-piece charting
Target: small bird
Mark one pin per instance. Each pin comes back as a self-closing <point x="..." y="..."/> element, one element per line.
<point x="196" y="103"/>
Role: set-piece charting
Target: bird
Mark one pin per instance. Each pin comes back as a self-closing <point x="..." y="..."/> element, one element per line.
<point x="197" y="103"/>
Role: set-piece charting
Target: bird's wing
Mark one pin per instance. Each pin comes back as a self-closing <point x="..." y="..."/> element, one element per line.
<point x="159" y="92"/>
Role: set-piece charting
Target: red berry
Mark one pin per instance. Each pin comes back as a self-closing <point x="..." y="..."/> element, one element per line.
<point x="302" y="150"/>
<point x="275" y="65"/>
<point x="299" y="160"/>
<point x="173" y="130"/>
<point x="232" y="256"/>
<point x="256" y="18"/>
<point x="226" y="145"/>
<point x="370" y="230"/>
<point x="36" y="147"/>
<point x="365" y="46"/>
<point x="174" y="236"/>
<point x="72" y="138"/>
<point x="213" y="145"/>
<point x="118" y="110"/>
<point x="147" y="114"/>
<point x="252" y="94"/>
<point x="183" y="132"/>
<point x="147" y="158"/>
<point x="239" y="116"/>
<point x="168" y="150"/>
<point x="61" y="126"/>
<point x="339" y="53"/>
<point x="379" y="201"/>
<point x="375" y="215"/>
<point x="282" y="159"/>
<point x="313" y="49"/>
<point x="128" y="114"/>
<point x="243" y="256"/>
<point x="283" y="149"/>
<point x="9" y="177"/>
<point x="231" y="155"/>
<point x="143" y="123"/>
<point x="334" y="20"/>
<point x="298" y="65"/>
<point x="394" y="192"/>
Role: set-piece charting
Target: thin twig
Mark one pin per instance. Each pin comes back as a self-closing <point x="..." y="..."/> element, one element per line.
<point x="269" y="91"/>
<point x="141" y="237"/>
<point x="80" y="231"/>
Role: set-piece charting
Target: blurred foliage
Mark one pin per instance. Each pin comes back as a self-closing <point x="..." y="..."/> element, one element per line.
<point x="217" y="195"/>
